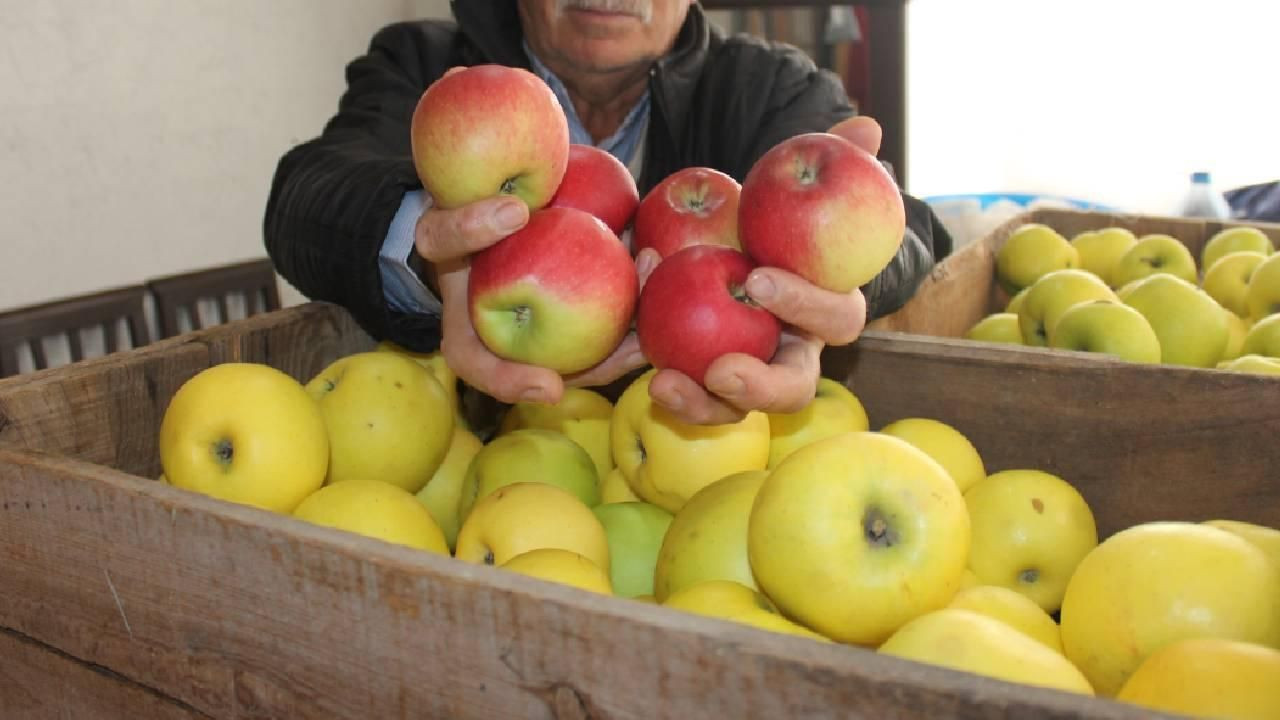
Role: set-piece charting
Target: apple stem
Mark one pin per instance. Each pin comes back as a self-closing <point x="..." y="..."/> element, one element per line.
<point x="877" y="529"/>
<point x="522" y="313"/>
<point x="488" y="557"/>
<point x="508" y="186"/>
<point x="740" y="294"/>
<point x="223" y="451"/>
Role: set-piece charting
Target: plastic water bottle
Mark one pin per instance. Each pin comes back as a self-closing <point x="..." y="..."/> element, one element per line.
<point x="1203" y="200"/>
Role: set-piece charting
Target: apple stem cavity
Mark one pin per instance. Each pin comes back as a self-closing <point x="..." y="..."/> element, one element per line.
<point x="488" y="557"/>
<point x="877" y="529"/>
<point x="508" y="187"/>
<point x="1029" y="576"/>
<point x="523" y="313"/>
<point x="223" y="451"/>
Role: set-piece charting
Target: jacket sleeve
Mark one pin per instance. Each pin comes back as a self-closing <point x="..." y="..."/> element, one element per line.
<point x="333" y="198"/>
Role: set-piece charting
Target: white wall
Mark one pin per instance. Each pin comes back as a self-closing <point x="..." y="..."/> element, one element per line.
<point x="1112" y="101"/>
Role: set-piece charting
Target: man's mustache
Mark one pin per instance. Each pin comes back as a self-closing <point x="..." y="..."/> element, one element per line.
<point x="642" y="9"/>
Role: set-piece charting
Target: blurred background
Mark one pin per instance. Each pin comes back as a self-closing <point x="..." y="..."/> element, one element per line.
<point x="139" y="136"/>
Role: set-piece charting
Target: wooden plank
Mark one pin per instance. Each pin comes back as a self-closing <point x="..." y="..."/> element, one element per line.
<point x="38" y="682"/>
<point x="240" y="613"/>
<point x="1141" y="443"/>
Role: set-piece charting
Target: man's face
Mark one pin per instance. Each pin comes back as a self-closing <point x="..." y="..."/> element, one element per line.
<point x="602" y="35"/>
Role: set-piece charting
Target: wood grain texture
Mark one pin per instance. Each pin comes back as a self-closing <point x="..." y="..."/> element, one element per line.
<point x="239" y="613"/>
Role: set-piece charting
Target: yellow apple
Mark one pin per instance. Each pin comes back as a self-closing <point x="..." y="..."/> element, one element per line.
<point x="1107" y="327"/>
<point x="1263" y="296"/>
<point x="997" y="328"/>
<point x="1266" y="539"/>
<point x="1227" y="280"/>
<point x="965" y="640"/>
<point x="1030" y="530"/>
<point x="527" y="516"/>
<point x="707" y="539"/>
<point x="1264" y="337"/>
<point x="246" y="433"/>
<point x="529" y="455"/>
<point x="561" y="566"/>
<point x="943" y="443"/>
<point x="736" y="602"/>
<point x="833" y="410"/>
<point x="968" y="580"/>
<point x="388" y="419"/>
<point x="1033" y="250"/>
<point x="1208" y="677"/>
<point x="1232" y="240"/>
<point x="1013" y="609"/>
<point x="442" y="492"/>
<point x="856" y="534"/>
<point x="1101" y="250"/>
<point x="614" y="488"/>
<point x="1054" y="294"/>
<point x="433" y="361"/>
<point x="1155" y="254"/>
<point x="1254" y="364"/>
<point x="1016" y="301"/>
<point x="375" y="509"/>
<point x="1152" y="584"/>
<point x="582" y="415"/>
<point x="1237" y="331"/>
<point x="1191" y="326"/>
<point x="666" y="460"/>
<point x="635" y="531"/>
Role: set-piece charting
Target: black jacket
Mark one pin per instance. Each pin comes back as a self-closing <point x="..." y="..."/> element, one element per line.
<point x="717" y="102"/>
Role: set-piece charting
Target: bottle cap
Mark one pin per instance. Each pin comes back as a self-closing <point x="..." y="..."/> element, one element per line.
<point x="1200" y="177"/>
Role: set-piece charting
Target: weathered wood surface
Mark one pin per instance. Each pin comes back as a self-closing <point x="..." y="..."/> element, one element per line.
<point x="238" y="613"/>
<point x="1141" y="443"/>
<point x="962" y="290"/>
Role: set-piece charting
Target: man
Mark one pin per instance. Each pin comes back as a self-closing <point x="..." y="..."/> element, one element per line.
<point x="648" y="80"/>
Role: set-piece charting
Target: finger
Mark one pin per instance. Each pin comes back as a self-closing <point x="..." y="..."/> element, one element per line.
<point x="625" y="358"/>
<point x="442" y="235"/>
<point x="834" y="318"/>
<point x="454" y="69"/>
<point x="689" y="402"/>
<point x="862" y="131"/>
<point x="646" y="261"/>
<point x="785" y="385"/>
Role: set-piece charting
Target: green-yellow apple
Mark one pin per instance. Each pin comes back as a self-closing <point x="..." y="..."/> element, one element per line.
<point x="527" y="516"/>
<point x="529" y="455"/>
<point x="1013" y="609"/>
<point x="246" y="433"/>
<point x="388" y="419"/>
<point x="708" y="538"/>
<point x="1192" y="326"/>
<point x="1101" y="250"/>
<point x="488" y="130"/>
<point x="833" y="410"/>
<point x="1154" y="254"/>
<point x="582" y="415"/>
<point x="736" y="602"/>
<point x="635" y="531"/>
<point x="1227" y="280"/>
<point x="1051" y="296"/>
<point x="442" y="492"/>
<point x="1266" y="539"/>
<point x="997" y="328"/>
<point x="1032" y="250"/>
<point x="1015" y="302"/>
<point x="1263" y="338"/>
<point x="693" y="206"/>
<point x="558" y="293"/>
<point x="1155" y="583"/>
<point x="1108" y="327"/>
<point x="561" y="566"/>
<point x="823" y="208"/>
<point x="943" y="443"/>
<point x="1030" y="530"/>
<point x="374" y="509"/>
<point x="666" y="460"/>
<point x="597" y="183"/>
<point x="854" y="535"/>
<point x="615" y="489"/>
<point x="1234" y="239"/>
<point x="1263" y="296"/>
<point x="965" y="640"/>
<point x="1255" y="364"/>
<point x="433" y="361"/>
<point x="1237" y="330"/>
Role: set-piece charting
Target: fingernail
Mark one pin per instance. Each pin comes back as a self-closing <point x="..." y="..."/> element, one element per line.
<point x="636" y="359"/>
<point x="644" y="263"/>
<point x="731" y="386"/>
<point x="760" y="286"/>
<point x="533" y="395"/>
<point x="509" y="218"/>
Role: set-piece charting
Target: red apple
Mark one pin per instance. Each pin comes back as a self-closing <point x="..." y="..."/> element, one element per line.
<point x="597" y="182"/>
<point x="822" y="208"/>
<point x="558" y="293"/>
<point x="693" y="206"/>
<point x="486" y="130"/>
<point x="693" y="309"/>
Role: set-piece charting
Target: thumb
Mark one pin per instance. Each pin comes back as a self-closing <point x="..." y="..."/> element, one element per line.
<point x="862" y="131"/>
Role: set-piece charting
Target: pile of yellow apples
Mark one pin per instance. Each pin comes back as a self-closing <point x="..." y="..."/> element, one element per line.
<point x="1141" y="299"/>
<point x="896" y="541"/>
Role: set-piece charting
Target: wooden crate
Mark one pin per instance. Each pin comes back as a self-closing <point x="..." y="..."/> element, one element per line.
<point x="962" y="289"/>
<point x="124" y="597"/>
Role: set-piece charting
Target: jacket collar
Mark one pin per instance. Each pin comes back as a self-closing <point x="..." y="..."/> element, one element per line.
<point x="493" y="28"/>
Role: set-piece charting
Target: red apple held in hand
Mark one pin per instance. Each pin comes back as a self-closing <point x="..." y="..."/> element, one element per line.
<point x="558" y="293"/>
<point x="598" y="183"/>
<point x="693" y="206"/>
<point x="693" y="309"/>
<point x="489" y="130"/>
<point x="822" y="208"/>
